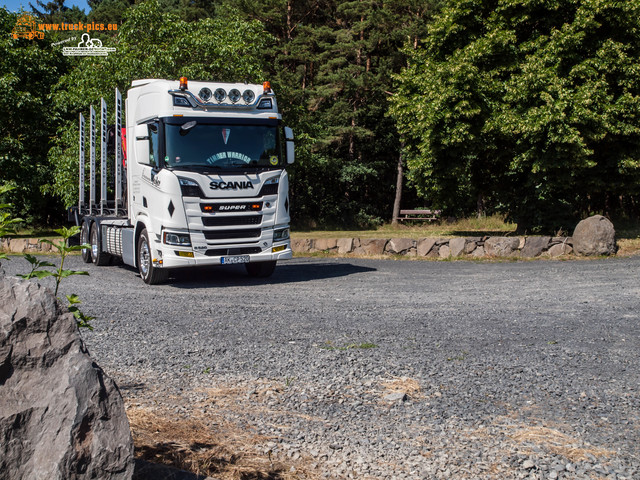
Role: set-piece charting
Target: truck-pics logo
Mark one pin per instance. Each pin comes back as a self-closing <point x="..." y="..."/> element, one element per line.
<point x="26" y="27"/>
<point x="230" y="185"/>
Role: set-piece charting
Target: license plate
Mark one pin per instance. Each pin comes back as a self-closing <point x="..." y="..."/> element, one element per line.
<point x="235" y="259"/>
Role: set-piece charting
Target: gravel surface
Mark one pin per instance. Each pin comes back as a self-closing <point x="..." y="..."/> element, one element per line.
<point x="391" y="369"/>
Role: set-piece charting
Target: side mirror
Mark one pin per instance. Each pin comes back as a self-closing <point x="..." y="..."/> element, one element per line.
<point x="291" y="155"/>
<point x="143" y="155"/>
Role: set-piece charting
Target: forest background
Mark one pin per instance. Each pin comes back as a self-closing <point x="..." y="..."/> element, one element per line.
<point x="525" y="108"/>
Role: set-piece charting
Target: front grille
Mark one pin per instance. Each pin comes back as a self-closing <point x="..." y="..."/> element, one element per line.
<point x="229" y="221"/>
<point x="227" y="234"/>
<point x="219" y="252"/>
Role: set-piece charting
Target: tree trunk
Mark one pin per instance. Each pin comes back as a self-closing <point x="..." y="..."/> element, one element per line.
<point x="396" y="202"/>
<point x="480" y="206"/>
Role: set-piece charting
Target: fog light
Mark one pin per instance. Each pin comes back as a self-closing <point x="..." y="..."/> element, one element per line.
<point x="278" y="249"/>
<point x="184" y="254"/>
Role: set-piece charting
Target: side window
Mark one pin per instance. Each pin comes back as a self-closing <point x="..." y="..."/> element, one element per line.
<point x="154" y="145"/>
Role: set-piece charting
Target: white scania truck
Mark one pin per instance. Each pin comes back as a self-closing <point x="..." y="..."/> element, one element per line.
<point x="201" y="180"/>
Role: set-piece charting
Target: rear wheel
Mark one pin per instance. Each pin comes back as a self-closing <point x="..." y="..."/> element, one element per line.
<point x="98" y="257"/>
<point x="260" y="269"/>
<point x="150" y="274"/>
<point x="84" y="239"/>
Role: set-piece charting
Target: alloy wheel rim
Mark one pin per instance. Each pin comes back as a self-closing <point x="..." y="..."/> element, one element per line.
<point x="144" y="257"/>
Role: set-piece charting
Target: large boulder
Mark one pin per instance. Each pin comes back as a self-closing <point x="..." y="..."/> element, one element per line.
<point x="61" y="417"/>
<point x="595" y="236"/>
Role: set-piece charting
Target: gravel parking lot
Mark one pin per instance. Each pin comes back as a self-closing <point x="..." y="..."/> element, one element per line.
<point x="390" y="369"/>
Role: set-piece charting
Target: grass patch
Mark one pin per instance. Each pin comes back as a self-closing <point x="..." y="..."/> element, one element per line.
<point x="470" y="227"/>
<point x="222" y="451"/>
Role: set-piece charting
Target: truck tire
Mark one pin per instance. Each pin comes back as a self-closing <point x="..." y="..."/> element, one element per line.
<point x="260" y="269"/>
<point x="84" y="238"/>
<point x="149" y="274"/>
<point x="98" y="257"/>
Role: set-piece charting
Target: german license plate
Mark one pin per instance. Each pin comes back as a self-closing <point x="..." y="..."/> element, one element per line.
<point x="235" y="259"/>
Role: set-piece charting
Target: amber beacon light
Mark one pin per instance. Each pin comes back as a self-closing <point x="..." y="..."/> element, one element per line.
<point x="183" y="83"/>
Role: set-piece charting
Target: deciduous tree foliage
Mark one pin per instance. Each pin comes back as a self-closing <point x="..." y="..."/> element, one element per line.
<point x="333" y="65"/>
<point x="28" y="71"/>
<point x="151" y="43"/>
<point x="532" y="107"/>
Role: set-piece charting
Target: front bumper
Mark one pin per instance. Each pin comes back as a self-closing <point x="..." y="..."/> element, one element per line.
<point x="173" y="257"/>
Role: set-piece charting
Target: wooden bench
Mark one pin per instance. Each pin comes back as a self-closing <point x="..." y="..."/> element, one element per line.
<point x="428" y="215"/>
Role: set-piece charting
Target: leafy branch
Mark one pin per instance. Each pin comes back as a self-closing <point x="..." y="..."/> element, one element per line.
<point x="38" y="270"/>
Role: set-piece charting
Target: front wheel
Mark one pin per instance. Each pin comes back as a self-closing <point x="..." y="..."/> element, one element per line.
<point x="150" y="274"/>
<point x="260" y="269"/>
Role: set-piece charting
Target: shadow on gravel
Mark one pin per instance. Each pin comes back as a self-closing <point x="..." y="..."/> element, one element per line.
<point x="154" y="471"/>
<point x="235" y="275"/>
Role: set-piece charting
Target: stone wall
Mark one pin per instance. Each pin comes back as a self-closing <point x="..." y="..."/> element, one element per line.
<point x="23" y="245"/>
<point x="472" y="247"/>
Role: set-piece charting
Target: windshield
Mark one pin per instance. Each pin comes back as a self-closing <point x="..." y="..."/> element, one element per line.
<point x="195" y="144"/>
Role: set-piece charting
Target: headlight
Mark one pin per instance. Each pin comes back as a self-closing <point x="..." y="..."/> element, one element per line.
<point x="180" y="239"/>
<point x="189" y="188"/>
<point x="279" y="235"/>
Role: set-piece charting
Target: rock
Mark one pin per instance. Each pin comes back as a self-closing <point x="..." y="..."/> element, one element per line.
<point x="528" y="464"/>
<point x="445" y="251"/>
<point x="424" y="246"/>
<point x="370" y="246"/>
<point x="559" y="249"/>
<point x="345" y="245"/>
<point x="300" y="245"/>
<point x="501" y="246"/>
<point x="400" y="246"/>
<point x="61" y="417"/>
<point x="322" y="244"/>
<point x="595" y="236"/>
<point x="471" y="244"/>
<point x="534" y="246"/>
<point x="18" y="245"/>
<point x="395" y="397"/>
<point x="478" y="252"/>
<point x="457" y="246"/>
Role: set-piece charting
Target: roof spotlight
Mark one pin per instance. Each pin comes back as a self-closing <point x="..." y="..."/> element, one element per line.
<point x="205" y="94"/>
<point x="220" y="95"/>
<point x="234" y="95"/>
<point x="248" y="96"/>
